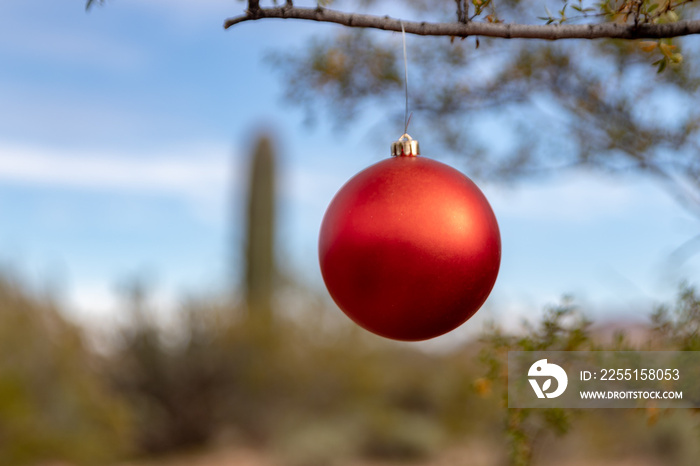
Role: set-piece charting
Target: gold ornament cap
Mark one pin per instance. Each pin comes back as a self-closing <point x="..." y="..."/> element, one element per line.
<point x="406" y="146"/>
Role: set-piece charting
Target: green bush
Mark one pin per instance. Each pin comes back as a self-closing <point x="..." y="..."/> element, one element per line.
<point x="53" y="404"/>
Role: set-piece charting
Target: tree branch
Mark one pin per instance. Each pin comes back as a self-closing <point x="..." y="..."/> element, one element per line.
<point x="472" y="28"/>
<point x="253" y="7"/>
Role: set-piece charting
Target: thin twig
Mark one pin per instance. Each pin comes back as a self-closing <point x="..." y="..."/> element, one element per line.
<point x="462" y="10"/>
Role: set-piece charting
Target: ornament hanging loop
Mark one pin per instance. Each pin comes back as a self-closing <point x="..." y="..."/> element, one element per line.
<point x="406" y="146"/>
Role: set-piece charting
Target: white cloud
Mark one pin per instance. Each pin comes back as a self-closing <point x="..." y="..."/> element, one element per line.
<point x="93" y="300"/>
<point x="577" y="198"/>
<point x="182" y="172"/>
<point x="311" y="186"/>
<point x="100" y="307"/>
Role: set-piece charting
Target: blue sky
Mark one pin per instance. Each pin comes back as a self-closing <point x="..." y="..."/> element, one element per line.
<point x="123" y="142"/>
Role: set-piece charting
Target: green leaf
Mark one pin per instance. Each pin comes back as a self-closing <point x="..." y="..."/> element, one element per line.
<point x="662" y="65"/>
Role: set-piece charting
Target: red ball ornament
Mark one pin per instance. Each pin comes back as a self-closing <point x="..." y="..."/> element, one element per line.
<point x="409" y="247"/>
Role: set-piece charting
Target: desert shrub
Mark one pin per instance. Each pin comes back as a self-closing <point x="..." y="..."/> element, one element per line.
<point x="286" y="383"/>
<point x="678" y="326"/>
<point x="53" y="404"/>
<point x="311" y="392"/>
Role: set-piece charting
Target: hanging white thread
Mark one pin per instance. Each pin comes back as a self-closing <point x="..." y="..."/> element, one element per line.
<point x="406" y="117"/>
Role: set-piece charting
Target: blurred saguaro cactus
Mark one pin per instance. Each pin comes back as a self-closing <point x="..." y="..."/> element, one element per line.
<point x="260" y="242"/>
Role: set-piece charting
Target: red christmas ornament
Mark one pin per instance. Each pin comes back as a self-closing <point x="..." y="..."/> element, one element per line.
<point x="409" y="247"/>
